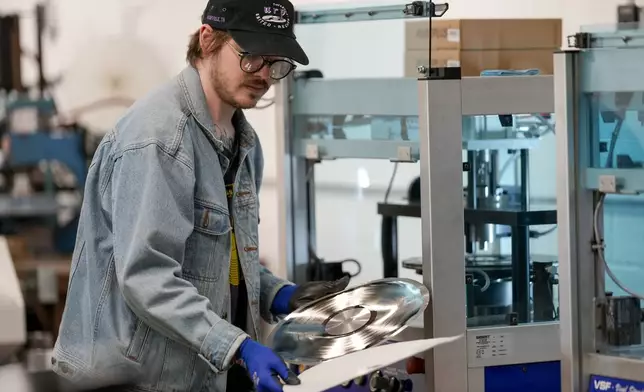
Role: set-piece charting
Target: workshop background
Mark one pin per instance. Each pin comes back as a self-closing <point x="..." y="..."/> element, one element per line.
<point x="81" y="57"/>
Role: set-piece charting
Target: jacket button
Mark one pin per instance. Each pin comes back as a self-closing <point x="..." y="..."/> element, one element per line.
<point x="64" y="368"/>
<point x="53" y="360"/>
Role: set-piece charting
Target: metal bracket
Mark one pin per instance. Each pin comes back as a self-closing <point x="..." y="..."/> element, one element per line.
<point x="580" y="40"/>
<point x="414" y="9"/>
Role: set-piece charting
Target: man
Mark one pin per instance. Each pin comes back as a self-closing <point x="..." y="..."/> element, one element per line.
<point x="166" y="287"/>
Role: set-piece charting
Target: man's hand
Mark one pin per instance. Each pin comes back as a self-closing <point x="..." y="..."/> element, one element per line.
<point x="311" y="291"/>
<point x="265" y="367"/>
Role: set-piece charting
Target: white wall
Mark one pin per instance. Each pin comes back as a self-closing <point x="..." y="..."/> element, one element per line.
<point x="347" y="223"/>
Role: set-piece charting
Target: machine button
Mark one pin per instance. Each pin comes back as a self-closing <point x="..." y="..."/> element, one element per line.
<point x="415" y="366"/>
<point x="380" y="383"/>
<point x="394" y="385"/>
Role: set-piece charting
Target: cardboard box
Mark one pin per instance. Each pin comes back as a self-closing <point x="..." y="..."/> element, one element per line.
<point x="484" y="34"/>
<point x="482" y="44"/>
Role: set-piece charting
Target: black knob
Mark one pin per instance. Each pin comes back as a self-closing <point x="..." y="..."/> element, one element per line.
<point x="394" y="385"/>
<point x="378" y="383"/>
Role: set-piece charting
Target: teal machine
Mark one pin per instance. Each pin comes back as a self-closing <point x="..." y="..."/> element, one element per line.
<point x="35" y="148"/>
<point x="31" y="145"/>
<point x="461" y="131"/>
<point x="600" y="156"/>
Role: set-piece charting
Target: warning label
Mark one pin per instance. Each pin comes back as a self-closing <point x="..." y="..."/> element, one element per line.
<point x="491" y="346"/>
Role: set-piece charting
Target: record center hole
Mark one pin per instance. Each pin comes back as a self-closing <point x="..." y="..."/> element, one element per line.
<point x="348" y="320"/>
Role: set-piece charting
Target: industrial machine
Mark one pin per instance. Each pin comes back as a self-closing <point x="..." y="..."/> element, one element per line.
<point x="462" y="131"/>
<point x="42" y="161"/>
<point x="598" y="97"/>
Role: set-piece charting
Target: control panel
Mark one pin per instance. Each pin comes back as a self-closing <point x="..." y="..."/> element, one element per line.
<point x="394" y="378"/>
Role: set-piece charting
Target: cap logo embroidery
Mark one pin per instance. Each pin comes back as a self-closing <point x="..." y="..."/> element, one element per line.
<point x="216" y="19"/>
<point x="275" y="17"/>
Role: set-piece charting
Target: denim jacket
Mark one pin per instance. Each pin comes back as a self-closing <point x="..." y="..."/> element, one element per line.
<point x="148" y="296"/>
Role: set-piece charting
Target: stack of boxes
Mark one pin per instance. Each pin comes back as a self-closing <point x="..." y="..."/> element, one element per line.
<point x="476" y="45"/>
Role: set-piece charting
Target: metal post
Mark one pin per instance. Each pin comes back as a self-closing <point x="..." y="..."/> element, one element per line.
<point x="296" y="198"/>
<point x="440" y="122"/>
<point x="574" y="219"/>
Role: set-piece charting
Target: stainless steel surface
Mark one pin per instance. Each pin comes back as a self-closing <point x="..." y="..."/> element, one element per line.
<point x="442" y="220"/>
<point x="349" y="321"/>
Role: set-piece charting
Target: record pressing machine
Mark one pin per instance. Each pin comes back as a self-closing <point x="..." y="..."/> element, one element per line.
<point x="512" y="336"/>
<point x="600" y="112"/>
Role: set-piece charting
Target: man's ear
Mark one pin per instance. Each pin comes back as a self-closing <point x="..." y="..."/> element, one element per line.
<point x="205" y="38"/>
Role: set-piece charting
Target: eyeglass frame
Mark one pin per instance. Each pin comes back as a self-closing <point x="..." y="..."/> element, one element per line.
<point x="265" y="62"/>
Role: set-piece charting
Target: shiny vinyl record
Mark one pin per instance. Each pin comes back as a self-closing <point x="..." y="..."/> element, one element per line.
<point x="352" y="320"/>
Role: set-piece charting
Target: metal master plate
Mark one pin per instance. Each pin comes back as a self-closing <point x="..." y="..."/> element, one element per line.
<point x="349" y="321"/>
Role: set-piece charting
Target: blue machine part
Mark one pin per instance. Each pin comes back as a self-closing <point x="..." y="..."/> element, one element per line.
<point x="46" y="107"/>
<point x="530" y="377"/>
<point x="609" y="384"/>
<point x="68" y="149"/>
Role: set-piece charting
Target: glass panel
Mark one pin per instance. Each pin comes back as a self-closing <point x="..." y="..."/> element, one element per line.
<point x="509" y="198"/>
<point x="624" y="238"/>
<point x="613" y="118"/>
<point x="617" y="125"/>
<point x="500" y="127"/>
<point x="362" y="127"/>
<point x="357" y="127"/>
<point x="511" y="236"/>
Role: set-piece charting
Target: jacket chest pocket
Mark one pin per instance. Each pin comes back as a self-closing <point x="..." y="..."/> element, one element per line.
<point x="207" y="256"/>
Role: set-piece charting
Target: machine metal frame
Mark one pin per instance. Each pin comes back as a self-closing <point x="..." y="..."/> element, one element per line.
<point x="582" y="274"/>
<point x="445" y="103"/>
<point x="442" y="105"/>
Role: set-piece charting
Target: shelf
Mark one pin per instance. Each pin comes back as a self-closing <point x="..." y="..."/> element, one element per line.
<point x="403" y="151"/>
<point x="478" y="216"/>
<point x="393" y="150"/>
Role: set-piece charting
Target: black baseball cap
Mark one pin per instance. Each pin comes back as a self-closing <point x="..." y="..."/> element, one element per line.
<point x="259" y="27"/>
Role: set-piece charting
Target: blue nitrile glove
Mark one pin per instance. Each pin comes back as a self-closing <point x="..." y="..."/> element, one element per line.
<point x="264" y="367"/>
<point x="282" y="299"/>
<point x="290" y="298"/>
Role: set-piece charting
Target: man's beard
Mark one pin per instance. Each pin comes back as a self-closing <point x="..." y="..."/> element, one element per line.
<point x="226" y="95"/>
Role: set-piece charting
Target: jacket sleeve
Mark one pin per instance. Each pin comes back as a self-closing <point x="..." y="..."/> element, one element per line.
<point x="153" y="216"/>
<point x="269" y="284"/>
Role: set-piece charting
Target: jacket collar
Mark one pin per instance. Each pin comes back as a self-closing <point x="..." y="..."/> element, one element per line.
<point x="195" y="99"/>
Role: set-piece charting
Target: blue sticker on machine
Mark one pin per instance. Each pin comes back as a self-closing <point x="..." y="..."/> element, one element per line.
<point x="609" y="384"/>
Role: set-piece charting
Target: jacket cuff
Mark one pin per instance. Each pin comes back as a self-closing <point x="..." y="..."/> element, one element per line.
<point x="267" y="301"/>
<point x="220" y="345"/>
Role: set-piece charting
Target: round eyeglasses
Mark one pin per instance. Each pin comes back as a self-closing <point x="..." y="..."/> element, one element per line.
<point x="249" y="63"/>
